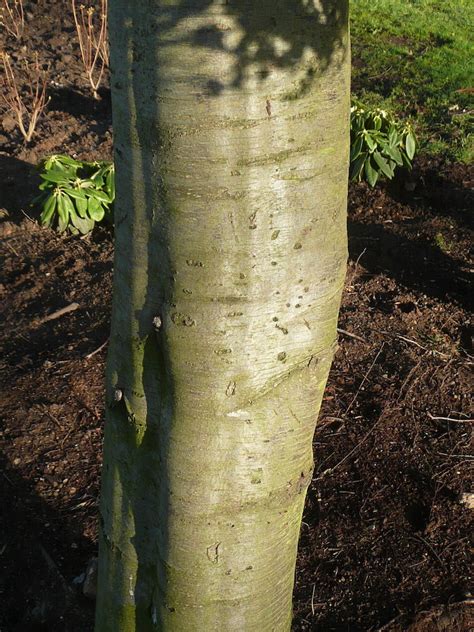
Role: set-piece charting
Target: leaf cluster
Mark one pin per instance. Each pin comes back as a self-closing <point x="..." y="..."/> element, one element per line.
<point x="75" y="194"/>
<point x="379" y="144"/>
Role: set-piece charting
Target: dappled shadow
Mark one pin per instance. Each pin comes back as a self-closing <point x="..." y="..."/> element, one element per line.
<point x="269" y="42"/>
<point x="261" y="36"/>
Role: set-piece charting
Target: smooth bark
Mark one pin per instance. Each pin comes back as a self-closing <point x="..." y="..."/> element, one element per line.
<point x="231" y="149"/>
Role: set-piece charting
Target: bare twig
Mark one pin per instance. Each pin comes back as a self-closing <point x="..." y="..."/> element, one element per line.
<point x="60" y="312"/>
<point x="93" y="43"/>
<point x="12" y="17"/>
<point x="28" y="103"/>
<point x="92" y="354"/>
<point x="8" y="481"/>
<point x="351" y="452"/>
<point x="407" y="379"/>
<point x="416" y="344"/>
<point x="12" y="249"/>
<point x="466" y="457"/>
<point x="350" y="335"/>
<point x="458" y="421"/>
<point x="52" y="417"/>
<point x="430" y="548"/>
<point x="364" y="379"/>
<point x="28" y="217"/>
<point x="66" y="437"/>
<point x="55" y="570"/>
<point x="312" y="599"/>
<point x="350" y="279"/>
<point x="388" y="625"/>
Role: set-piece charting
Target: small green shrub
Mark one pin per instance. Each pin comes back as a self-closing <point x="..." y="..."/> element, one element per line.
<point x="75" y="194"/>
<point x="442" y="243"/>
<point x="379" y="144"/>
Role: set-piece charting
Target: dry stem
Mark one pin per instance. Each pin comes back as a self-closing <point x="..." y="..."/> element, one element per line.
<point x="92" y="35"/>
<point x="12" y="17"/>
<point x="26" y="105"/>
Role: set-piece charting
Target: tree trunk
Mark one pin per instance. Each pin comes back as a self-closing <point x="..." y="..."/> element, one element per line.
<point x="231" y="149"/>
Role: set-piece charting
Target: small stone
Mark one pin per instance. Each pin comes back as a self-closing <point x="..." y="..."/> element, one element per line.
<point x="6" y="228"/>
<point x="89" y="587"/>
<point x="467" y="499"/>
<point x="77" y="581"/>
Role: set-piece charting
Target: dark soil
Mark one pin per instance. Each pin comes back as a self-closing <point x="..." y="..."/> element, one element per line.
<point x="386" y="538"/>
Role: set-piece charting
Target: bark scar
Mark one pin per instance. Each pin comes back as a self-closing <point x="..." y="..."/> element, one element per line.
<point x="230" y="390"/>
<point x="213" y="552"/>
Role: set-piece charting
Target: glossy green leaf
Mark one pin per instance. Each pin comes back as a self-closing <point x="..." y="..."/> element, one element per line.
<point x="81" y="206"/>
<point x="393" y="136"/>
<point x="60" y="160"/>
<point x="406" y="161"/>
<point x="98" y="179"/>
<point x="68" y="204"/>
<point x="83" y="225"/>
<point x="67" y="160"/>
<point x="57" y="176"/>
<point x="87" y="184"/>
<point x="110" y="184"/>
<point x="77" y="194"/>
<point x="410" y="145"/>
<point x="95" y="209"/>
<point x="49" y="207"/>
<point x="99" y="195"/>
<point x="383" y="165"/>
<point x="395" y="154"/>
<point x="370" y="173"/>
<point x="371" y="144"/>
<point x="357" y="166"/>
<point x="356" y="148"/>
<point x="63" y="215"/>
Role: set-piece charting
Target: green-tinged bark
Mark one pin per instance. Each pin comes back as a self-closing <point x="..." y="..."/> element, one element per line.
<point x="231" y="139"/>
